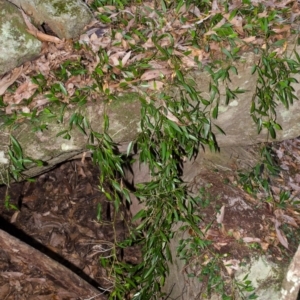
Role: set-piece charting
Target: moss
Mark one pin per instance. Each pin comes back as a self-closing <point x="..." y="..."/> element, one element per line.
<point x="62" y="7"/>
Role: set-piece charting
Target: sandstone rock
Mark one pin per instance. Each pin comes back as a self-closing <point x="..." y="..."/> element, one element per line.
<point x="16" y="44"/>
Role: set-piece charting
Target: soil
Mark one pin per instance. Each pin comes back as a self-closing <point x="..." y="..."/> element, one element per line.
<point x="57" y="215"/>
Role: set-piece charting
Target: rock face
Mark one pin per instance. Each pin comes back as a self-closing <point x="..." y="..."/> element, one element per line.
<point x="16" y="44"/>
<point x="65" y="18"/>
<point x="124" y="114"/>
<point x="235" y="118"/>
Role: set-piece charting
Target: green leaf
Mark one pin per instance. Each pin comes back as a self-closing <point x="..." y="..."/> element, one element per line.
<point x="220" y="129"/>
<point x="227" y="53"/>
<point x="129" y="148"/>
<point x="234" y="70"/>
<point x="272" y="132"/>
<point x="106" y="122"/>
<point x="61" y="133"/>
<point x="179" y="75"/>
<point x="63" y="89"/>
<point x="140" y="215"/>
<point x="99" y="212"/>
<point x="215" y="111"/>
<point x="16" y="147"/>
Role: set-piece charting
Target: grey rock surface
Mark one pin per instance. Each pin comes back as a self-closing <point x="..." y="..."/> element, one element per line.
<point x="124" y="117"/>
<point x="16" y="44"/>
<point x="66" y="18"/>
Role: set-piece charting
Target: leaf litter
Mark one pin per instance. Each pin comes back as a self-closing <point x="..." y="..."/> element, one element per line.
<point x="134" y="41"/>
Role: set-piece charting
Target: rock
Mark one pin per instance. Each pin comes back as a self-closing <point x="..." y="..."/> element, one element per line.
<point x="261" y="272"/>
<point x="66" y="18"/>
<point x="124" y="115"/>
<point x="235" y="118"/>
<point x="291" y="282"/>
<point x="16" y="44"/>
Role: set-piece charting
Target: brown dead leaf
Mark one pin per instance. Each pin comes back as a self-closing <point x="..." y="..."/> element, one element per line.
<point x="126" y="58"/>
<point x="294" y="186"/>
<point x="211" y="234"/>
<point x="283" y="218"/>
<point x="282" y="28"/>
<point x="249" y="39"/>
<point x="231" y="265"/>
<point x="220" y="215"/>
<point x="114" y="58"/>
<point x="263" y="14"/>
<point x="280" y="235"/>
<point x="14" y="217"/>
<point x="214" y="6"/>
<point x="248" y="239"/>
<point x="237" y="23"/>
<point x="188" y="62"/>
<point x="218" y="246"/>
<point x="9" y="79"/>
<point x="192" y="9"/>
<point x="236" y="234"/>
<point x="118" y="36"/>
<point x="106" y="8"/>
<point x="24" y="91"/>
<point x="172" y="117"/>
<point x="155" y="85"/>
<point x="264" y="246"/>
<point x="275" y="189"/>
<point x="148" y="44"/>
<point x="158" y="73"/>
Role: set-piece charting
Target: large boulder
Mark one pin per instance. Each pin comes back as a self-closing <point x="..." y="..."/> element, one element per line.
<point x="16" y="44"/>
<point x="66" y="18"/>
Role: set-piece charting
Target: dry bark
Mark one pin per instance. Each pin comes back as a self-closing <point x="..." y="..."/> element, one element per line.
<point x="66" y="281"/>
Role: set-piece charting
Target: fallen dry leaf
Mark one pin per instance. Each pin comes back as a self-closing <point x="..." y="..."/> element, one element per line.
<point x="126" y="58"/>
<point x="155" y="85"/>
<point x="24" y="91"/>
<point x="14" y="217"/>
<point x="283" y="218"/>
<point x="9" y="79"/>
<point x="248" y="239"/>
<point x="280" y="235"/>
<point x="158" y="73"/>
<point x="237" y="23"/>
<point x="264" y="246"/>
<point x="283" y="28"/>
<point x="220" y="215"/>
<point x="169" y="115"/>
<point x="231" y="265"/>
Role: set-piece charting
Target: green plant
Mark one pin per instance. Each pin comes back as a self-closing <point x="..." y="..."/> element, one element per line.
<point x="17" y="161"/>
<point x="275" y="79"/>
<point x="259" y="176"/>
<point x="7" y="203"/>
<point x="245" y="286"/>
